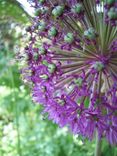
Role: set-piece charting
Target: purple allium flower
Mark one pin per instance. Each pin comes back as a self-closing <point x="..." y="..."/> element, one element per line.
<point x="72" y="64"/>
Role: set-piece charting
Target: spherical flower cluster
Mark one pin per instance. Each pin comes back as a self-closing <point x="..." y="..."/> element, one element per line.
<point x="72" y="64"/>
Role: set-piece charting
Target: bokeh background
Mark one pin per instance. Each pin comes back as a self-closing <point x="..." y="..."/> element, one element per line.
<point x="24" y="131"/>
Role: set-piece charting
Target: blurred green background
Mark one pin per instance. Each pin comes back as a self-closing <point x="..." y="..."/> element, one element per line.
<point x="23" y="129"/>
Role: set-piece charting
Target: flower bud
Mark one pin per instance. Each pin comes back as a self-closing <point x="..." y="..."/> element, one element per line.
<point x="44" y="62"/>
<point x="51" y="68"/>
<point x="44" y="10"/>
<point x="79" y="81"/>
<point x="90" y="34"/>
<point x="58" y="11"/>
<point x="35" y="56"/>
<point x="78" y="8"/>
<point x="41" y="1"/>
<point x="69" y="38"/>
<point x="44" y="76"/>
<point x="110" y="2"/>
<point x="42" y="50"/>
<point x="99" y="66"/>
<point x="112" y="14"/>
<point x="38" y="12"/>
<point x="42" y="26"/>
<point x="60" y="101"/>
<point x="52" y="32"/>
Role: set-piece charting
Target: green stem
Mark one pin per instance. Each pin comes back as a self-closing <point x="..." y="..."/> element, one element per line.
<point x="16" y="110"/>
<point x="98" y="146"/>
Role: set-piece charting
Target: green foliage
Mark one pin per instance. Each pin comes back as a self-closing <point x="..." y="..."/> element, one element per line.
<point x="24" y="131"/>
<point x="9" y="9"/>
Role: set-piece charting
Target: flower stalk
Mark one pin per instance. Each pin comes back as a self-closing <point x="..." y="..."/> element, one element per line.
<point x="98" y="146"/>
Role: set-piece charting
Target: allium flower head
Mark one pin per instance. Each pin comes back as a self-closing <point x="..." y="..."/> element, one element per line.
<point x="72" y="64"/>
